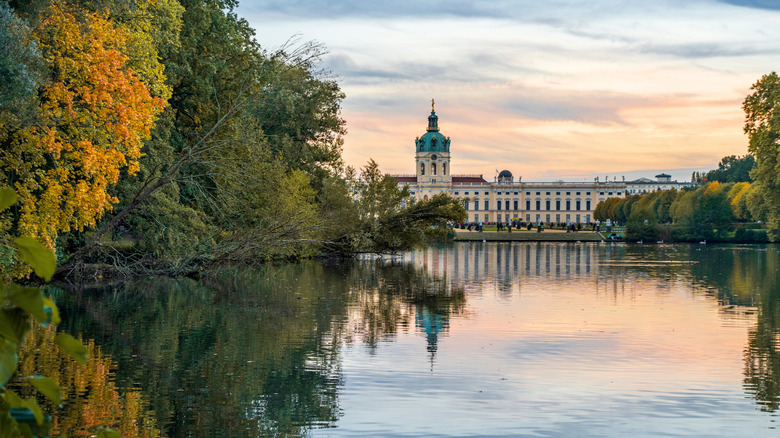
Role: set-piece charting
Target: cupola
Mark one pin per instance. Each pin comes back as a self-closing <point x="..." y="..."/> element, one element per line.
<point x="432" y="140"/>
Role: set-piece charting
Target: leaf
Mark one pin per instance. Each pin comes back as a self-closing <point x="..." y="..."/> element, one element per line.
<point x="8" y="361"/>
<point x="7" y="198"/>
<point x="12" y="399"/>
<point x="43" y="261"/>
<point x="47" y="387"/>
<point x="31" y="404"/>
<point x="9" y="428"/>
<point x="52" y="311"/>
<point x="14" y="324"/>
<point x="29" y="299"/>
<point x="108" y="433"/>
<point x="27" y="416"/>
<point x="72" y="346"/>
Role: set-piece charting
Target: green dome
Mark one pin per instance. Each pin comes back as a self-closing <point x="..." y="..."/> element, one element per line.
<point x="432" y="140"/>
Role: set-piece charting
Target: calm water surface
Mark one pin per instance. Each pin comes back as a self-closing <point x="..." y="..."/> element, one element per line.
<point x="474" y="339"/>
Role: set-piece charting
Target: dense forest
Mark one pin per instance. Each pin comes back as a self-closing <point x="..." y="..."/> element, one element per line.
<point x="161" y="136"/>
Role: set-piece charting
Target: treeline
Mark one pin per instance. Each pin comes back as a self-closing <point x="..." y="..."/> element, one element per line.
<point x="739" y="201"/>
<point x="713" y="211"/>
<point x="160" y="135"/>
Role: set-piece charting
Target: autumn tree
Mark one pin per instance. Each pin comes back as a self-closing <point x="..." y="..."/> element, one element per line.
<point x="94" y="115"/>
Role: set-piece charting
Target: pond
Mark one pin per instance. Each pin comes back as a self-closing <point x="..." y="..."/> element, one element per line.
<point x="470" y="339"/>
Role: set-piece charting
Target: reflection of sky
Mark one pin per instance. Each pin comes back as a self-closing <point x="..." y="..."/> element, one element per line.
<point x="604" y="351"/>
<point x="601" y="86"/>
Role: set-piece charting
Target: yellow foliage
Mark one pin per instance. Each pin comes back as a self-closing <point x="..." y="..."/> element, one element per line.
<point x="91" y="397"/>
<point x="95" y="114"/>
<point x="712" y="188"/>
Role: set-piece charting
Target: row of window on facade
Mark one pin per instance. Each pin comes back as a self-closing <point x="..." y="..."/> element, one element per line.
<point x="546" y="193"/>
<point x="516" y="204"/>
<point x="433" y="168"/>
<point x="559" y="219"/>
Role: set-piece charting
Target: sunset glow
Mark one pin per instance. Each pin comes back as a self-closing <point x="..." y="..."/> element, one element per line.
<point x="559" y="89"/>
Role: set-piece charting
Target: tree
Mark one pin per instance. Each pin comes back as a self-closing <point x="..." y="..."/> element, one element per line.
<point x="418" y="223"/>
<point x="21" y="68"/>
<point x="754" y="201"/>
<point x="300" y="115"/>
<point x="211" y="157"/>
<point x="762" y="125"/>
<point x="663" y="204"/>
<point x="95" y="114"/>
<point x="704" y="213"/>
<point x="738" y="201"/>
<point x="732" y="169"/>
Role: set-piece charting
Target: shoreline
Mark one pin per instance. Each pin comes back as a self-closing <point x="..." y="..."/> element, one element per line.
<point x="527" y="236"/>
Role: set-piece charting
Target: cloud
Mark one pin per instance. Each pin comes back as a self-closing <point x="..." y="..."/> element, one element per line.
<point x="550" y="11"/>
<point x="707" y="50"/>
<point x="758" y="4"/>
<point x="369" y="9"/>
<point x="344" y="66"/>
<point x="542" y="89"/>
<point x="597" y="107"/>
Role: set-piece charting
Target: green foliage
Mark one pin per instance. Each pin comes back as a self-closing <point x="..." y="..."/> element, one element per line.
<point x="751" y="236"/>
<point x="8" y="355"/>
<point x="300" y="114"/>
<point x="7" y="198"/>
<point x="37" y="256"/>
<point x="417" y="224"/>
<point x="108" y="433"/>
<point x="762" y="125"/>
<point x="21" y="66"/>
<point x="754" y="202"/>
<point x="704" y="213"/>
<point x="72" y="346"/>
<point x="47" y="387"/>
<point x="731" y="169"/>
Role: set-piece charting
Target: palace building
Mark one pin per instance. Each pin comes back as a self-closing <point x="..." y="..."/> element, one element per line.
<point x="505" y="198"/>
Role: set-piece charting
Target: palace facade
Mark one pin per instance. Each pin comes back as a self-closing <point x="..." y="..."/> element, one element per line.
<point x="504" y="199"/>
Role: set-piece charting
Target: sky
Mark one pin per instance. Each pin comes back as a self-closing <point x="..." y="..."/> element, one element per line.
<point x="548" y="89"/>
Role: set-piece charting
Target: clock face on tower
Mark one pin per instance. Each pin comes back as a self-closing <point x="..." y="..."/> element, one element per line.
<point x="433" y="157"/>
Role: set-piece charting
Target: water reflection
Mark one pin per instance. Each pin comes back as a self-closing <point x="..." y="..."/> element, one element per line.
<point x="262" y="352"/>
<point x="248" y="354"/>
<point x="91" y="397"/>
<point x="505" y="262"/>
<point x="744" y="280"/>
<point x="385" y="296"/>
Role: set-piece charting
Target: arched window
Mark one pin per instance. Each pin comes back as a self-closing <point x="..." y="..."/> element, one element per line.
<point x="425" y="198"/>
<point x="433" y="168"/>
<point x="422" y="168"/>
<point x="443" y="168"/>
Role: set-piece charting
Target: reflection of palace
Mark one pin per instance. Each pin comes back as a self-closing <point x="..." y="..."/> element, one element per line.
<point x="476" y="260"/>
<point x="505" y="199"/>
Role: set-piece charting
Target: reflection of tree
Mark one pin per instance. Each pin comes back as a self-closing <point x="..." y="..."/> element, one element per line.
<point x="254" y="353"/>
<point x="388" y="294"/>
<point x="248" y="354"/>
<point x="749" y="278"/>
<point x="91" y="397"/>
<point x="744" y="280"/>
<point x="762" y="356"/>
